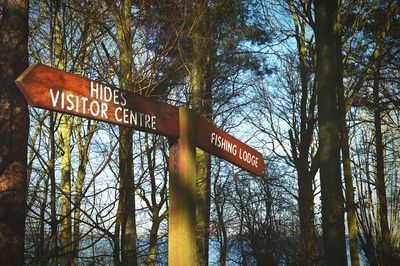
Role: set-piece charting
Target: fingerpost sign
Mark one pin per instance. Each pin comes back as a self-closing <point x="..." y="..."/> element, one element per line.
<point x="49" y="88"/>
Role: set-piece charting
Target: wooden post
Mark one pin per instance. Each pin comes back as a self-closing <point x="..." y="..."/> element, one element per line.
<point x="182" y="191"/>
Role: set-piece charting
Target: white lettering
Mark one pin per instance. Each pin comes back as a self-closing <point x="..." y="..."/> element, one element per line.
<point x="153" y="122"/>
<point x="147" y="119"/>
<point x="248" y="158"/>
<point x="104" y="109"/>
<point x="94" y="90"/>
<point x="101" y="92"/>
<point x="118" y="110"/>
<point x="127" y="116"/>
<point x="222" y="143"/>
<point x="84" y="100"/>
<point x="141" y="119"/>
<point x="62" y="100"/>
<point x="133" y="118"/>
<point x="94" y="108"/>
<point x="77" y="104"/>
<point x="107" y="94"/>
<point x="212" y="137"/>
<point x="123" y="103"/>
<point x="115" y="93"/>
<point x="70" y="104"/>
<point x="54" y="99"/>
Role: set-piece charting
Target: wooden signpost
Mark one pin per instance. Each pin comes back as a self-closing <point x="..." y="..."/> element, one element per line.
<point x="54" y="89"/>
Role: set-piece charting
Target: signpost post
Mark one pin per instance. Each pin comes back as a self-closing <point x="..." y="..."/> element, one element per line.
<point x="57" y="90"/>
<point x="182" y="189"/>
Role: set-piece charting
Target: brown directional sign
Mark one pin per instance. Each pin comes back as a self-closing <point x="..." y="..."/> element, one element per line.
<point x="54" y="89"/>
<point x="216" y="141"/>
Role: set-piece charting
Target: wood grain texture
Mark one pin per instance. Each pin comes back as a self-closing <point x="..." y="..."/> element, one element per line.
<point x="49" y="88"/>
<point x="37" y="80"/>
<point x="182" y="193"/>
<point x="219" y="143"/>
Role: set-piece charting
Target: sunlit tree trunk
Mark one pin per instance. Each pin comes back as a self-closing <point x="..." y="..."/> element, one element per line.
<point x="348" y="178"/>
<point x="65" y="146"/>
<point x="127" y="190"/>
<point x="330" y="174"/>
<point x="157" y="215"/>
<point x="380" y="171"/>
<point x="151" y="260"/>
<point x="14" y="123"/>
<point x="344" y="144"/>
<point x="65" y="186"/>
<point x="51" y="174"/>
<point x="83" y="143"/>
<point x="117" y="233"/>
<point x="201" y="102"/>
<point x="122" y="15"/>
<point x="53" y="197"/>
<point x="42" y="256"/>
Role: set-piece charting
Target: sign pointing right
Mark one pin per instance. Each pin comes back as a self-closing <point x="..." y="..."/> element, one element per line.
<point x="216" y="141"/>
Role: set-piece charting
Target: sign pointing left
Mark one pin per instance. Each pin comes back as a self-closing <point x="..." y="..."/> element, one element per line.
<point x="54" y="89"/>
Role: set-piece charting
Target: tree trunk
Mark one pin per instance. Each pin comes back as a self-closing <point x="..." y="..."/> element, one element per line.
<point x="83" y="147"/>
<point x="127" y="189"/>
<point x="344" y="144"/>
<point x="122" y="15"/>
<point x="348" y="179"/>
<point x="330" y="173"/>
<point x="65" y="197"/>
<point x="53" y="198"/>
<point x="151" y="260"/>
<point x="309" y="253"/>
<point x="223" y="236"/>
<point x="309" y="250"/>
<point x="117" y="231"/>
<point x="14" y="126"/>
<point x="65" y="145"/>
<point x="42" y="256"/>
<point x="200" y="85"/>
<point x="380" y="172"/>
<point x="153" y="205"/>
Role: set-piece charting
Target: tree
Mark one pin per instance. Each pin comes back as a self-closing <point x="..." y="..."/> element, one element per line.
<point x="200" y="81"/>
<point x="330" y="173"/>
<point x="14" y="122"/>
<point x="126" y="222"/>
<point x="378" y="44"/>
<point x="379" y="148"/>
<point x="301" y="138"/>
<point x="345" y="149"/>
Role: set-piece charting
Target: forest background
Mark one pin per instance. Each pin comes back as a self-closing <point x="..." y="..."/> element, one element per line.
<point x="313" y="85"/>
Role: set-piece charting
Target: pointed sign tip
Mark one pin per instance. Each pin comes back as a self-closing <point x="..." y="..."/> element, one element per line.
<point x="25" y="73"/>
<point x="21" y="85"/>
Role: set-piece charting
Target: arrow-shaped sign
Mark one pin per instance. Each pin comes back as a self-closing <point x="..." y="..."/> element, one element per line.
<point x="216" y="141"/>
<point x="54" y="89"/>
